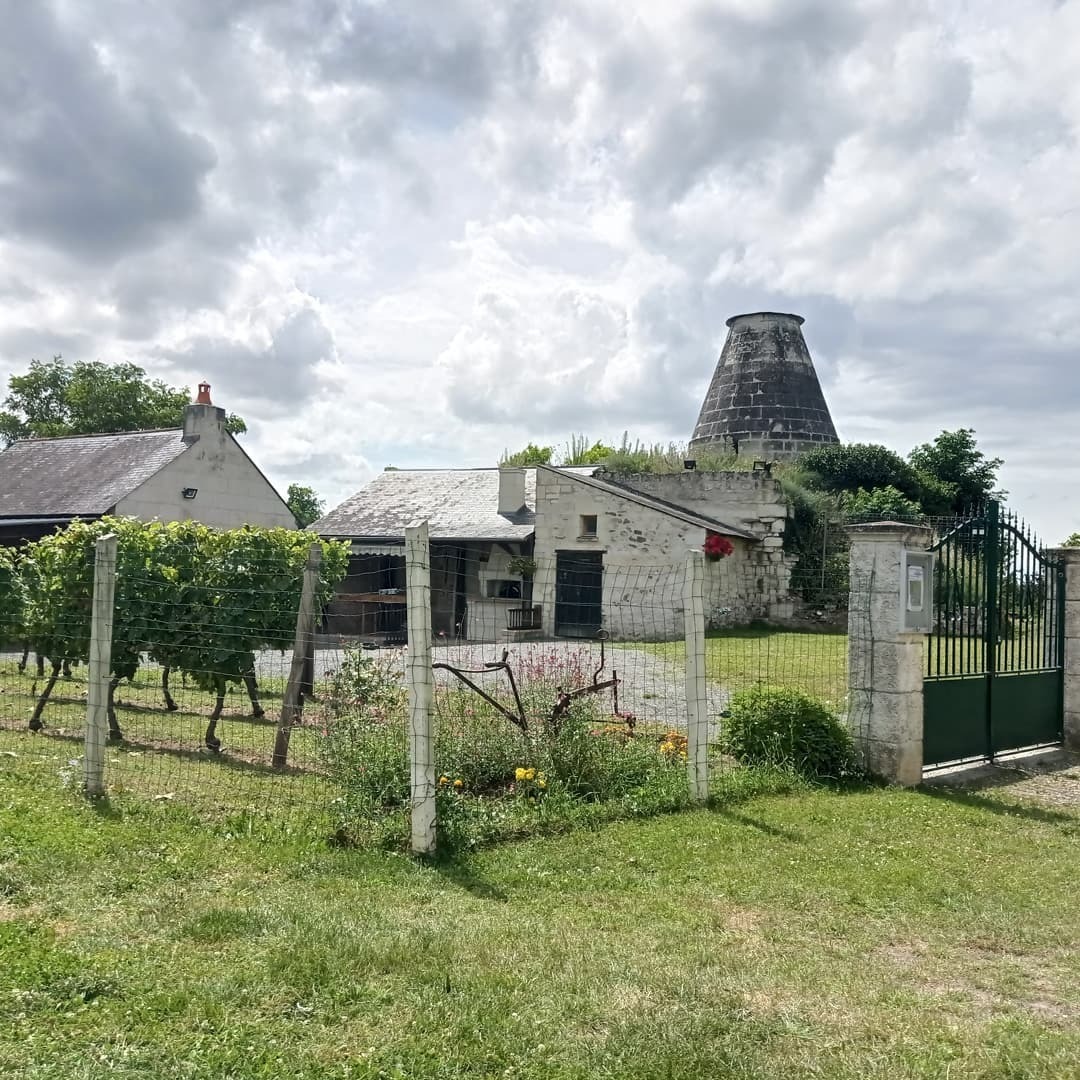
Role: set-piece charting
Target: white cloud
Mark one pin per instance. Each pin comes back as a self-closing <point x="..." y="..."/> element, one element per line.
<point x="419" y="234"/>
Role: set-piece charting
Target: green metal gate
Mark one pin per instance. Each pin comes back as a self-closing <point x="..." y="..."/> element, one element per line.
<point x="994" y="676"/>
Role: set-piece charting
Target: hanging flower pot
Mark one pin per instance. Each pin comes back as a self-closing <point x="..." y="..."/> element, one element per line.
<point x="717" y="547"/>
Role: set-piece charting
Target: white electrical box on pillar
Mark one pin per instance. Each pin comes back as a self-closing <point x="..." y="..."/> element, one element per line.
<point x="916" y="592"/>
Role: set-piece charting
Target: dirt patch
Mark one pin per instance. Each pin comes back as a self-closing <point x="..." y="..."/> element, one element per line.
<point x="970" y="974"/>
<point x="743" y="921"/>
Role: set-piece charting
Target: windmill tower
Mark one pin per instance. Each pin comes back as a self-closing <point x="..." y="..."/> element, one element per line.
<point x="764" y="398"/>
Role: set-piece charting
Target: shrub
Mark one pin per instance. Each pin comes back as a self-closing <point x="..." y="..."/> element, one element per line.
<point x="364" y="748"/>
<point x="595" y="763"/>
<point x="769" y="725"/>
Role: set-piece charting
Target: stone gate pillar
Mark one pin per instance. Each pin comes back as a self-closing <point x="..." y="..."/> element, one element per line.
<point x="1071" y="559"/>
<point x="885" y="665"/>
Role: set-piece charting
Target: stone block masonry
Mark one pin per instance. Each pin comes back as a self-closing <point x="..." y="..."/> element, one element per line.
<point x="756" y="585"/>
<point x="1071" y="558"/>
<point x="764" y="399"/>
<point x="644" y="558"/>
<point x="885" y="665"/>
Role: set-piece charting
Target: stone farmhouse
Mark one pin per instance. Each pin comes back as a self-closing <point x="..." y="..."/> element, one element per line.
<point x="195" y="472"/>
<point x="609" y="552"/>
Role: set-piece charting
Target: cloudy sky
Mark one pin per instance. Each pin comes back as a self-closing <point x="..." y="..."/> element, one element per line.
<point x="416" y="233"/>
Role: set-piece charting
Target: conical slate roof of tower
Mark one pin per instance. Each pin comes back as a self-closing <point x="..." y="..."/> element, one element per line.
<point x="764" y="398"/>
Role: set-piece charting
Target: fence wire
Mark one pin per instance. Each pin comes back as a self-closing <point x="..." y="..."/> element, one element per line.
<point x="560" y="692"/>
<point x="42" y="703"/>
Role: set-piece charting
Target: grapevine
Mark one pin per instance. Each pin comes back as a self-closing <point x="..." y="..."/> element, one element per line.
<point x="194" y="599"/>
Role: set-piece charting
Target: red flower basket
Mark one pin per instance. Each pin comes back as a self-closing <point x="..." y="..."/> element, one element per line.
<point x="717" y="547"/>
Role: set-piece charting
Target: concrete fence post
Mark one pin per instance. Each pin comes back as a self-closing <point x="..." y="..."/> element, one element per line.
<point x="99" y="667"/>
<point x="420" y="680"/>
<point x="697" y="703"/>
<point x="885" y="664"/>
<point x="1070" y="559"/>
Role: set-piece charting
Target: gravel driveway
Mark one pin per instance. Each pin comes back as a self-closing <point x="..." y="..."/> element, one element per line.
<point x="651" y="682"/>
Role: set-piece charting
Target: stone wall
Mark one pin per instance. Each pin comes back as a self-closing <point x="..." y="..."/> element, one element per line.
<point x="750" y="500"/>
<point x="1071" y="720"/>
<point x="644" y="556"/>
<point x="747" y="500"/>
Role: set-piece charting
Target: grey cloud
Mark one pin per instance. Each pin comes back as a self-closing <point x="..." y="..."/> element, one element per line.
<point x="277" y="378"/>
<point x="88" y="168"/>
<point x="21" y="344"/>
<point x="430" y="49"/>
<point x="760" y="82"/>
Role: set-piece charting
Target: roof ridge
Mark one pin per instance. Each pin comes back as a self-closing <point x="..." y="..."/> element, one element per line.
<point x="36" y="439"/>
<point x="663" y="506"/>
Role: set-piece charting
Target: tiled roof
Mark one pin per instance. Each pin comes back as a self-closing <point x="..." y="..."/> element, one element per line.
<point x="81" y="474"/>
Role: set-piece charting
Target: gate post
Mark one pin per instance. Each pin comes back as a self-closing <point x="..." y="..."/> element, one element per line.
<point x="885" y="664"/>
<point x="1070" y="561"/>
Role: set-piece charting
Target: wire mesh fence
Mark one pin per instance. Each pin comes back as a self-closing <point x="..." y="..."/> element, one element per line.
<point x="567" y="700"/>
<point x="561" y="689"/>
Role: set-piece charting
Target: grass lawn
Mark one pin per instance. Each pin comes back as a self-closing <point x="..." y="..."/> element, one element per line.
<point x="867" y="934"/>
<point x="813" y="662"/>
<point x="162" y="753"/>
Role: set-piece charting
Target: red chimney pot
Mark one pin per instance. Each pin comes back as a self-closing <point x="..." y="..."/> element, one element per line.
<point x="204" y="394"/>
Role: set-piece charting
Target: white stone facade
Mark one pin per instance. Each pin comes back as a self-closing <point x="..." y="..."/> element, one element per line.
<point x="752" y="500"/>
<point x="645" y="549"/>
<point x="230" y="489"/>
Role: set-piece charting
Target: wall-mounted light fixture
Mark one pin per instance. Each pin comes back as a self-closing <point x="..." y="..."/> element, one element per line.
<point x="190" y="493"/>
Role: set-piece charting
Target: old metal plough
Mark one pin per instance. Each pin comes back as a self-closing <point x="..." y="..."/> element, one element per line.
<point x="563" y="701"/>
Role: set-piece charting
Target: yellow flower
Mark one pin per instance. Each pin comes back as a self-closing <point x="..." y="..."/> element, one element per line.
<point x="519" y="774"/>
<point x="459" y="783"/>
<point x="530" y="773"/>
<point x="541" y="783"/>
<point x="444" y="780"/>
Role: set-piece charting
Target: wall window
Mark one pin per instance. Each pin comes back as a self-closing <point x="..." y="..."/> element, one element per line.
<point x="588" y="526"/>
<point x="504" y="589"/>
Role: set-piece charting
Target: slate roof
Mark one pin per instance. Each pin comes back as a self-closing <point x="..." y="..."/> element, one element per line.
<point x="81" y="475"/>
<point x="459" y="504"/>
<point x="462" y="504"/>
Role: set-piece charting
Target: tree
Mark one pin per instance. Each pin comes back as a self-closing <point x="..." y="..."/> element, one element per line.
<point x="879" y="504"/>
<point x="841" y="467"/>
<point x="530" y="455"/>
<point x="85" y="398"/>
<point x="305" y="504"/>
<point x="954" y="461"/>
<point x="1073" y="541"/>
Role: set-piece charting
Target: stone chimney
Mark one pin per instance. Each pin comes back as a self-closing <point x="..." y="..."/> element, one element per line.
<point x="511" y="490"/>
<point x="202" y="417"/>
<point x="764" y="399"/>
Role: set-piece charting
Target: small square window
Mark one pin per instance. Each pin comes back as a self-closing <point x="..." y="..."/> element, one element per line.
<point x="588" y="525"/>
